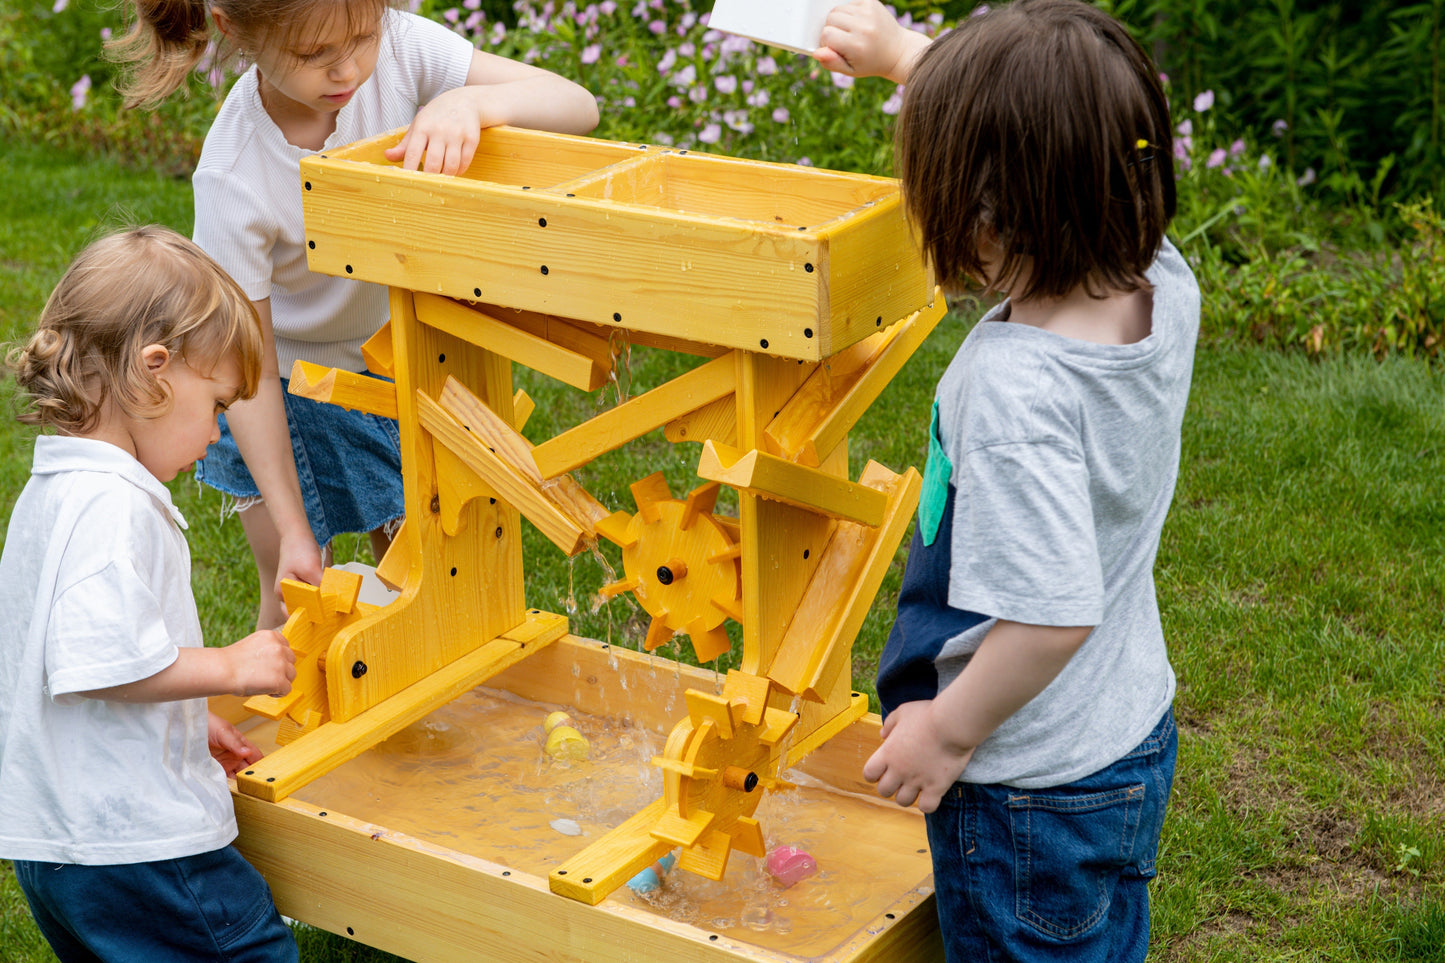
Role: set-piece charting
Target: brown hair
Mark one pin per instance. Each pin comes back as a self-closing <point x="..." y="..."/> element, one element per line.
<point x="138" y="287"/>
<point x="1040" y="126"/>
<point x="169" y="38"/>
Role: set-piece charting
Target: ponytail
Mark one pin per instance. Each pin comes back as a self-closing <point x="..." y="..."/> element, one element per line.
<point x="164" y="44"/>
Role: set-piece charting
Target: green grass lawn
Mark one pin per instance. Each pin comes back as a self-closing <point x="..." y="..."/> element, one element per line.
<point x="1301" y="579"/>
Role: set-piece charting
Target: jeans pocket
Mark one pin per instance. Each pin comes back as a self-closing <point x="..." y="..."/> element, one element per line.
<point x="1070" y="849"/>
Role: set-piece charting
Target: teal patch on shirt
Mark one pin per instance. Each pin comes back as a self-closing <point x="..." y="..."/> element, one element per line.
<point x="936" y="476"/>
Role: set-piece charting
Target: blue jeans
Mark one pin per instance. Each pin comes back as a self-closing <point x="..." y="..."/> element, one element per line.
<point x="1054" y="874"/>
<point x="213" y="907"/>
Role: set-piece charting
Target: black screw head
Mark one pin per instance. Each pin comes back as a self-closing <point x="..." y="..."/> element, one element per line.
<point x="544" y="269"/>
<point x="664" y="575"/>
<point x="358" y="669"/>
<point x="751" y="782"/>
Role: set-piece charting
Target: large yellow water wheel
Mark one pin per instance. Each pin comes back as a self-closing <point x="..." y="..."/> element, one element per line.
<point x="682" y="563"/>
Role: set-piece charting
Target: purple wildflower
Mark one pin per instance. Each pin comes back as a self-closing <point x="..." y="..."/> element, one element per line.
<point x="79" y="91"/>
<point x="1204" y="101"/>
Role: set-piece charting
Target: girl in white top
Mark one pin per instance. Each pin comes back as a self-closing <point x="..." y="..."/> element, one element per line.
<point x="325" y="73"/>
<point x="113" y="796"/>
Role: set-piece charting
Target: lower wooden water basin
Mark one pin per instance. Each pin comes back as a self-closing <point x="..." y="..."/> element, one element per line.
<point x="436" y="844"/>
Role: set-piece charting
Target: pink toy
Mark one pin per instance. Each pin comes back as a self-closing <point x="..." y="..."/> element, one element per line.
<point x="789" y="865"/>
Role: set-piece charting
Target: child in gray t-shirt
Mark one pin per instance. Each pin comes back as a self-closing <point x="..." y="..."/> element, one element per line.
<point x="1026" y="682"/>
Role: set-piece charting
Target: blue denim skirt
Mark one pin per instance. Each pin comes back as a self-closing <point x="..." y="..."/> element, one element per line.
<point x="1054" y="874"/>
<point x="348" y="463"/>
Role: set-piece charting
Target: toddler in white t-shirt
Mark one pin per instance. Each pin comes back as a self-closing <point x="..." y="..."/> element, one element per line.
<point x="114" y="804"/>
<point x="324" y="73"/>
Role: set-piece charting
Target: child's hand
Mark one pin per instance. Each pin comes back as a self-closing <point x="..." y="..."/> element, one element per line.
<point x="228" y="746"/>
<point x="445" y="132"/>
<point x="261" y="664"/>
<point x="917" y="762"/>
<point x="863" y="39"/>
<point x="298" y="559"/>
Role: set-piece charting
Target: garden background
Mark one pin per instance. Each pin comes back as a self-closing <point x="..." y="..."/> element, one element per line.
<point x="1301" y="576"/>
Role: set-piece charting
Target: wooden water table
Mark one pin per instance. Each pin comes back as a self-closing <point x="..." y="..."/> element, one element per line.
<point x="800" y="294"/>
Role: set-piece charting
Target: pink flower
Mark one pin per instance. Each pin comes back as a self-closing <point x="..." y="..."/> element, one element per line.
<point x="893" y="104"/>
<point x="657" y="27"/>
<point x="1236" y="148"/>
<point x="452" y="15"/>
<point x="1181" y="154"/>
<point x="1217" y="158"/>
<point x="842" y="81"/>
<point x="805" y="162"/>
<point x="1307" y="178"/>
<point x="1264" y="162"/>
<point x="1204" y="101"/>
<point x="674" y="102"/>
<point x="759" y="98"/>
<point x="607" y="8"/>
<point x="104" y="33"/>
<point x="60" y="5"/>
<point x="1279" y="127"/>
<point x="667" y="61"/>
<point x="711" y="134"/>
<point x="781" y="115"/>
<point x="79" y="91"/>
<point x="725" y="84"/>
<point x="1163" y="78"/>
<point x="766" y="66"/>
<point x="472" y="4"/>
<point x="1186" y="127"/>
<point x="591" y="54"/>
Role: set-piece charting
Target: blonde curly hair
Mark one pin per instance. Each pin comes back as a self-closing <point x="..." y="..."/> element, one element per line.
<point x="137" y="287"/>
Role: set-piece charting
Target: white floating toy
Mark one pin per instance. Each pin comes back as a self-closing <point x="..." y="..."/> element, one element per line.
<point x="791" y="24"/>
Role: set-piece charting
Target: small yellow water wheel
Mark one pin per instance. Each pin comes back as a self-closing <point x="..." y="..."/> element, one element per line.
<point x="715" y="766"/>
<point x="681" y="562"/>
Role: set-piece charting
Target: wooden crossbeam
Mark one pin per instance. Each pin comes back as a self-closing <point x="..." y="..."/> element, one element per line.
<point x="352" y="391"/>
<point x="635" y="418"/>
<point x="772" y="477"/>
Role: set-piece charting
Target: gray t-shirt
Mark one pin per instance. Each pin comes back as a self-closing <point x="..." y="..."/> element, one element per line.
<point x="1065" y="455"/>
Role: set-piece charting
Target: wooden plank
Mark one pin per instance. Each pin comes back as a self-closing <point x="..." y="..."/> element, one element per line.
<point x="378" y="353"/>
<point x="510" y="483"/>
<point x="632" y="419"/>
<point x="717" y="421"/>
<point x="768" y="257"/>
<point x="780" y="480"/>
<point x="819" y="640"/>
<point x="294" y="765"/>
<point x="415" y="899"/>
<point x="459" y="591"/>
<point x="477" y="327"/>
<point x="352" y="391"/>
<point x="822" y="412"/>
<point x="612" y="860"/>
<point x="866" y="291"/>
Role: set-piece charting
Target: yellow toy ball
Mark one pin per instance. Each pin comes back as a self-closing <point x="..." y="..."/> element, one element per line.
<point x="555" y="719"/>
<point x="564" y="742"/>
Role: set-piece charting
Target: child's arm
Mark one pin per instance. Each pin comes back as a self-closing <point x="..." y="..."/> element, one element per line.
<point x="927" y="744"/>
<point x="863" y="39"/>
<point x="498" y="91"/>
<point x="229" y="746"/>
<point x="260" y="664"/>
<point x="259" y="427"/>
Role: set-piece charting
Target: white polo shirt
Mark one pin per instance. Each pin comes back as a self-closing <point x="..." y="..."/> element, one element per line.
<point x="95" y="590"/>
